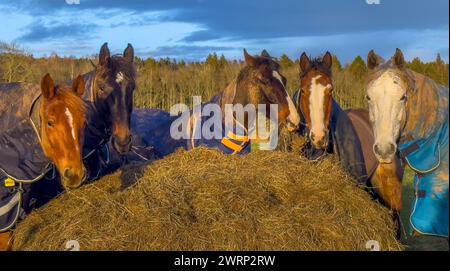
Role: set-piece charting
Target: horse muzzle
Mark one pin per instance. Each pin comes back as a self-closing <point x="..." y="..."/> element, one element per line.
<point x="320" y="141"/>
<point x="122" y="146"/>
<point x="291" y="127"/>
<point x="72" y="179"/>
<point x="385" y="152"/>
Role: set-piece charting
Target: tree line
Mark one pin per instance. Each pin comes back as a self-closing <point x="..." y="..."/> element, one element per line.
<point x="164" y="82"/>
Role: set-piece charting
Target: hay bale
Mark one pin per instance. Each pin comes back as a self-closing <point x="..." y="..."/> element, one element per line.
<point x="203" y="200"/>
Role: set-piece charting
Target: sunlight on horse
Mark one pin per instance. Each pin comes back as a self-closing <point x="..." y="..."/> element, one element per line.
<point x="63" y="118"/>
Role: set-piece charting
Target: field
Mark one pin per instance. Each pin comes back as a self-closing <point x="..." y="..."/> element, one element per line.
<point x="164" y="82"/>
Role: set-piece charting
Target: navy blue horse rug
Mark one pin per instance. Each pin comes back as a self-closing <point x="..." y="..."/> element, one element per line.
<point x="22" y="161"/>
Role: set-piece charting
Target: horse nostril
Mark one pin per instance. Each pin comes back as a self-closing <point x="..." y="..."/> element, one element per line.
<point x="312" y="136"/>
<point x="68" y="173"/>
<point x="123" y="141"/>
<point x="376" y="149"/>
<point x="391" y="148"/>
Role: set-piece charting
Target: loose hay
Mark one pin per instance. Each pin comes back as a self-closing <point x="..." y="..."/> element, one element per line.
<point x="203" y="200"/>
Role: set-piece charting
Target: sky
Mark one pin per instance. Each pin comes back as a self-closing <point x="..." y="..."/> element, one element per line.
<point x="191" y="29"/>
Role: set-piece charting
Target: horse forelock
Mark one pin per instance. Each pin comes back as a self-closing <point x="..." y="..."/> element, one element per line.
<point x="117" y="65"/>
<point x="73" y="103"/>
<point x="316" y="65"/>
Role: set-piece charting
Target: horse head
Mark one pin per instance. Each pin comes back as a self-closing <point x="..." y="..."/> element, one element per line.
<point x="388" y="87"/>
<point x="62" y="123"/>
<point x="261" y="83"/>
<point x="113" y="87"/>
<point x="315" y="100"/>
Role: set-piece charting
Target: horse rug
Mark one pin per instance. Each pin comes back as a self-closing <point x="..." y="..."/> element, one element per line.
<point x="429" y="159"/>
<point x="22" y="161"/>
<point x="152" y="139"/>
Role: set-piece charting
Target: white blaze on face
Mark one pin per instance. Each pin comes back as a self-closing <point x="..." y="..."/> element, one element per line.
<point x="293" y="117"/>
<point x="387" y="109"/>
<point x="70" y="121"/>
<point x="119" y="77"/>
<point x="316" y="108"/>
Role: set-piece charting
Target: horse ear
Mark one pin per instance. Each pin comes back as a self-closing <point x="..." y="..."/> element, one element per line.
<point x="104" y="55"/>
<point x="78" y="86"/>
<point x="373" y="60"/>
<point x="250" y="60"/>
<point x="128" y="54"/>
<point x="327" y="60"/>
<point x="305" y="63"/>
<point x="399" y="58"/>
<point x="48" y="87"/>
<point x="264" y="53"/>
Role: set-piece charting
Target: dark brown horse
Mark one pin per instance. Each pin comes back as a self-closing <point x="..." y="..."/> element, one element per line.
<point x="110" y="88"/>
<point x="347" y="133"/>
<point x="260" y="82"/>
<point x="55" y="119"/>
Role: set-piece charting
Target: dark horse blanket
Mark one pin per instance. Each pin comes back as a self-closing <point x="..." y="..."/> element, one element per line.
<point x="22" y="161"/>
<point x="152" y="137"/>
<point x="344" y="142"/>
<point x="27" y="178"/>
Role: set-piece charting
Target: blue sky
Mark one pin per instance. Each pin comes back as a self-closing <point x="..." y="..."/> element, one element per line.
<point x="191" y="29"/>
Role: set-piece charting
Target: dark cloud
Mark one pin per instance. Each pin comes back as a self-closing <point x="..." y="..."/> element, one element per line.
<point x="202" y="35"/>
<point x="270" y="19"/>
<point x="349" y="27"/>
<point x="40" y="32"/>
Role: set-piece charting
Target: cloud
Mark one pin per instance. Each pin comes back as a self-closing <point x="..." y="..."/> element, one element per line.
<point x="38" y="31"/>
<point x="266" y="18"/>
<point x="348" y="27"/>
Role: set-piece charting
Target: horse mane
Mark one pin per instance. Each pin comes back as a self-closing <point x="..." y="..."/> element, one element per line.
<point x="422" y="107"/>
<point x="247" y="71"/>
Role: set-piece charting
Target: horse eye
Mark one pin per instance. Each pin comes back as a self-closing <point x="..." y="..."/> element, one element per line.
<point x="368" y="97"/>
<point x="404" y="97"/>
<point x="50" y="124"/>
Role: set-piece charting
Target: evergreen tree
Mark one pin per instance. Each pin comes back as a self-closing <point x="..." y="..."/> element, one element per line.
<point x="358" y="68"/>
<point x="337" y="66"/>
<point x="285" y="62"/>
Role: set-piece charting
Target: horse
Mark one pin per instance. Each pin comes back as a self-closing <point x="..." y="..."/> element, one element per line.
<point x="110" y="87"/>
<point x="409" y="115"/>
<point x="41" y="138"/>
<point x="259" y="82"/>
<point x="347" y="133"/>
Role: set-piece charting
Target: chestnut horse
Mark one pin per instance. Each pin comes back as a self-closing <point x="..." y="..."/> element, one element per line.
<point x="51" y="124"/>
<point x="329" y="129"/>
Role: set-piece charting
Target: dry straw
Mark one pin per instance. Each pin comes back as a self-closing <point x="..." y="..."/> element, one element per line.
<point x="204" y="200"/>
